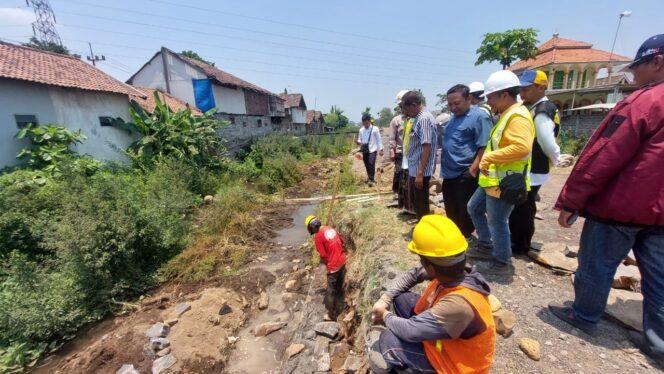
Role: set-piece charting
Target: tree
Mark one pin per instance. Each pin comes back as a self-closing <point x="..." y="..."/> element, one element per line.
<point x="508" y="46"/>
<point x="336" y="118"/>
<point x="367" y="111"/>
<point x="195" y="56"/>
<point x="50" y="47"/>
<point x="384" y="117"/>
<point x="442" y="101"/>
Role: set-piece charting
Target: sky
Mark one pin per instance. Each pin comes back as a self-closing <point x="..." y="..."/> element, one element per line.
<point x="352" y="54"/>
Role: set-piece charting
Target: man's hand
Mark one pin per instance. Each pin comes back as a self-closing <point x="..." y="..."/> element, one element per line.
<point x="378" y="311"/>
<point x="419" y="181"/>
<point x="484" y="172"/>
<point x="473" y="171"/>
<point x="563" y="217"/>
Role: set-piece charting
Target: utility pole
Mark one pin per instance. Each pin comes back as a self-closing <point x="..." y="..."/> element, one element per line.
<point x="44" y="26"/>
<point x="94" y="58"/>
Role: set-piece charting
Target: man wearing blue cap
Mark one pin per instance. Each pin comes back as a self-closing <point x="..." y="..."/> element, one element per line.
<point x="546" y="154"/>
<point x="617" y="185"/>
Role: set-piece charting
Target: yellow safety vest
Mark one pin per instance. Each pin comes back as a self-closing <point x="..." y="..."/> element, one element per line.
<point x="498" y="172"/>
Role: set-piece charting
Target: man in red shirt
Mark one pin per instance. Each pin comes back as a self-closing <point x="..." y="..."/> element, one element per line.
<point x="618" y="186"/>
<point x="330" y="249"/>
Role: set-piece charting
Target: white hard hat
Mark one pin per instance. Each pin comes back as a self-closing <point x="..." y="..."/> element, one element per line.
<point x="501" y="80"/>
<point x="400" y="95"/>
<point x="476" y="87"/>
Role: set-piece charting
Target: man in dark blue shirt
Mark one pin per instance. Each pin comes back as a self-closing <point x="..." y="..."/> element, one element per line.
<point x="466" y="135"/>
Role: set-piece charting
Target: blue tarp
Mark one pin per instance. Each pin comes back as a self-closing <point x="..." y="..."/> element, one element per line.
<point x="203" y="94"/>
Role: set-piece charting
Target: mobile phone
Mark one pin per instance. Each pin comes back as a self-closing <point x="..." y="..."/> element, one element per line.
<point x="573" y="218"/>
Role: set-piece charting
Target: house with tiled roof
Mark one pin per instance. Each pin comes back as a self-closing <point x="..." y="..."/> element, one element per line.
<point x="251" y="110"/>
<point x="296" y="110"/>
<point x="580" y="76"/>
<point x="48" y="88"/>
<point x="147" y="102"/>
<point x="315" y="121"/>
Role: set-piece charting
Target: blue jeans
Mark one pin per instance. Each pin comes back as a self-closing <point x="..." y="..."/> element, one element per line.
<point x="602" y="248"/>
<point x="491" y="219"/>
<point x="400" y="354"/>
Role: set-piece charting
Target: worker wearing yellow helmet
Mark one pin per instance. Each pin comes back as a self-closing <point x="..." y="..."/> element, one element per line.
<point x="329" y="246"/>
<point x="447" y="329"/>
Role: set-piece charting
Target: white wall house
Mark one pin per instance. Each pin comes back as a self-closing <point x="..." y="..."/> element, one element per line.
<point x="251" y="110"/>
<point x="296" y="112"/>
<point x="47" y="88"/>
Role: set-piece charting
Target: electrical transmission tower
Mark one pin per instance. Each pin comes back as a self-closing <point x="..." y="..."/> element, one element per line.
<point x="44" y="26"/>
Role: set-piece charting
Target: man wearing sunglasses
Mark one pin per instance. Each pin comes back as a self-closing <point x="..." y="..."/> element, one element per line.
<point x="617" y="185"/>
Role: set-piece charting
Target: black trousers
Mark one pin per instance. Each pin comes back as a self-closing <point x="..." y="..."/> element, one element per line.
<point x="370" y="164"/>
<point x="420" y="197"/>
<point x="335" y="283"/>
<point x="397" y="172"/>
<point x="456" y="194"/>
<point x="522" y="223"/>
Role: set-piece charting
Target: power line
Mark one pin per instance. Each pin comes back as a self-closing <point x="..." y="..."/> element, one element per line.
<point x="243" y="38"/>
<point x="238" y="15"/>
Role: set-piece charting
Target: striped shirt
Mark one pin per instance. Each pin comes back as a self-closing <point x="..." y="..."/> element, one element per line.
<point x="423" y="132"/>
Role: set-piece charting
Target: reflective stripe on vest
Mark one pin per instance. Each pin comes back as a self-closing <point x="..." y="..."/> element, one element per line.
<point x="473" y="355"/>
<point x="498" y="172"/>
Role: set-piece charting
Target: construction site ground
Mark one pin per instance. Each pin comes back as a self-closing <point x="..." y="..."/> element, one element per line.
<point x="283" y="271"/>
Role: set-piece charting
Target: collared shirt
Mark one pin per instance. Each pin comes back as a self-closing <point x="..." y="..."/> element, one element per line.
<point x="545" y="136"/>
<point x="464" y="136"/>
<point x="371" y="135"/>
<point x="423" y="132"/>
<point x="396" y="133"/>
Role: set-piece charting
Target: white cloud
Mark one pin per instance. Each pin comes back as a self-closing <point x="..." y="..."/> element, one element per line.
<point x="16" y="16"/>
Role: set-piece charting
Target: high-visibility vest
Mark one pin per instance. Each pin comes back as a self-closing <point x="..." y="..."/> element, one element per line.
<point x="498" y="172"/>
<point x="487" y="109"/>
<point x="408" y="125"/>
<point x="460" y="356"/>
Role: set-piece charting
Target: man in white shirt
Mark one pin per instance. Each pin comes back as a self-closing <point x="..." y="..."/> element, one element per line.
<point x="546" y="154"/>
<point x="370" y="145"/>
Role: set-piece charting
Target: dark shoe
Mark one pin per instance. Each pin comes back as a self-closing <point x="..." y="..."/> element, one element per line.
<point x="567" y="314"/>
<point x="479" y="252"/>
<point x="639" y="341"/>
<point x="495" y="268"/>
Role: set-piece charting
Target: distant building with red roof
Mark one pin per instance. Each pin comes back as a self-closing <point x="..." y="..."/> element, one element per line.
<point x="579" y="76"/>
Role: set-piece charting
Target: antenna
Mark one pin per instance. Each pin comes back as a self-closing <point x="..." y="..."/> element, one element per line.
<point x="44" y="26"/>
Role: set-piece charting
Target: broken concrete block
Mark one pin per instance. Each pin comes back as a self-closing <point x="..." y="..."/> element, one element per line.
<point x="553" y="256"/>
<point x="531" y="348"/>
<point x="292" y="285"/>
<point x="127" y="369"/>
<point x="158" y="330"/>
<point x="149" y="352"/>
<point x="504" y="321"/>
<point x="294" y="349"/>
<point x="164" y="352"/>
<point x="171" y="321"/>
<point x="495" y="303"/>
<point x="328" y="329"/>
<point x="158" y="344"/>
<point x="627" y="278"/>
<point x="162" y="364"/>
<point x="263" y="300"/>
<point x="181" y="309"/>
<point x="321" y="346"/>
<point x="571" y="251"/>
<point x="626" y="307"/>
<point x="267" y="328"/>
<point x="352" y="364"/>
<point x="324" y="362"/>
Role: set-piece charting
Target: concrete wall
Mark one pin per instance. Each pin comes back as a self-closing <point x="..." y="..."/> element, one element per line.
<point x="298" y="115"/>
<point x="582" y="123"/>
<point x="243" y="130"/>
<point x="74" y="109"/>
<point x="229" y="100"/>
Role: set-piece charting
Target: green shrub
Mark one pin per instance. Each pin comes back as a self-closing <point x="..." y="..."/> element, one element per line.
<point x="573" y="145"/>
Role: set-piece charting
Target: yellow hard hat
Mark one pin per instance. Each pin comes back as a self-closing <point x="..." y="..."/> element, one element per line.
<point x="308" y="220"/>
<point x="437" y="236"/>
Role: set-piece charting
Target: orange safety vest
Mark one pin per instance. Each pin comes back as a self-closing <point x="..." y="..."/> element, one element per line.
<point x="474" y="355"/>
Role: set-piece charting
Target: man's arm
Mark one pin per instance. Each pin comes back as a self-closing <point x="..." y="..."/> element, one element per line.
<point x="544" y="128"/>
<point x="475" y="166"/>
<point x="359" y="136"/>
<point x="378" y="137"/>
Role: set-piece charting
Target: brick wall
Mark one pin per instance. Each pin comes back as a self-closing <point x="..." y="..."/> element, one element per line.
<point x="244" y="129"/>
